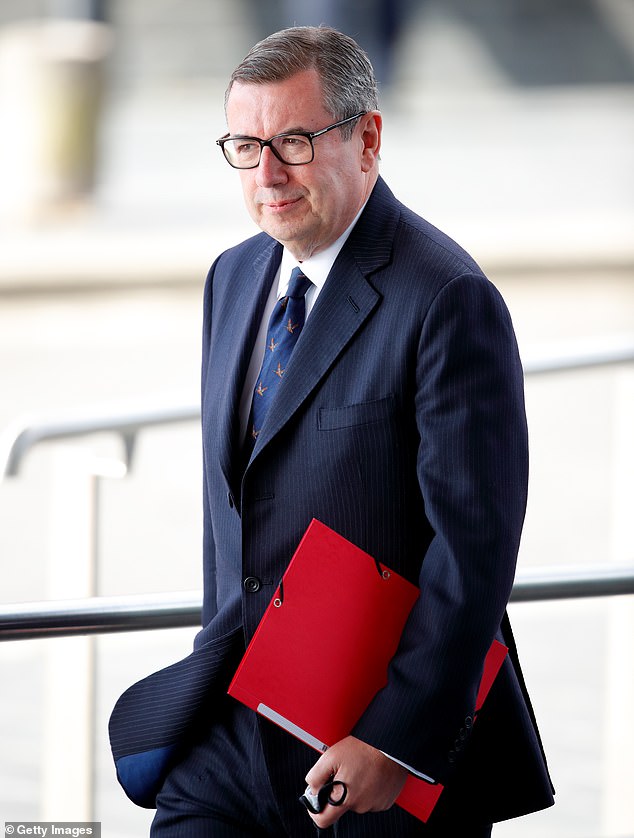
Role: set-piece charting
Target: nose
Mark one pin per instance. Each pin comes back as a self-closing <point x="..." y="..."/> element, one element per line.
<point x="271" y="171"/>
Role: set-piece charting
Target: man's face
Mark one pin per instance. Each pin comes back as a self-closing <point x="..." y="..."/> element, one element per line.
<point x="308" y="207"/>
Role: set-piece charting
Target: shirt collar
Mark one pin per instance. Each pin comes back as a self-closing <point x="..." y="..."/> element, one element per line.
<point x="317" y="267"/>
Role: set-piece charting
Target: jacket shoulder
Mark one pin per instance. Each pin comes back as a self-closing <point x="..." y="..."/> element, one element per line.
<point x="252" y="251"/>
<point x="426" y="242"/>
<point x="390" y="233"/>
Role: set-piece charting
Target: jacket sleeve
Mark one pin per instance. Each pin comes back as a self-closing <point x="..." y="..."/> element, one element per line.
<point x="472" y="470"/>
<point x="209" y="550"/>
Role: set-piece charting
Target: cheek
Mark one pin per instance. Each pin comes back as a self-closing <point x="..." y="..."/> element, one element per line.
<point x="248" y="185"/>
<point x="248" y="194"/>
<point x="325" y="195"/>
<point x="336" y="200"/>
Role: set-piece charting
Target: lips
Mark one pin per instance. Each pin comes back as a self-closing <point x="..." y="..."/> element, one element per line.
<point x="276" y="204"/>
<point x="280" y="205"/>
<point x="273" y="201"/>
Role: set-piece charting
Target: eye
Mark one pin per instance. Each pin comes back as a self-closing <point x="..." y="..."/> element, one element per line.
<point x="244" y="147"/>
<point x="293" y="140"/>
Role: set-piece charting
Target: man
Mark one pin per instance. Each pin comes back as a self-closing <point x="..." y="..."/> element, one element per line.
<point x="396" y="417"/>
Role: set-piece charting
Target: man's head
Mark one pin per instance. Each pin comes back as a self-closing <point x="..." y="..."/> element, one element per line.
<point x="347" y="78"/>
<point x="303" y="80"/>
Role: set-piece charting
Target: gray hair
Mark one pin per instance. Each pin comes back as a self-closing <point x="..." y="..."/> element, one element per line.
<point x="346" y="74"/>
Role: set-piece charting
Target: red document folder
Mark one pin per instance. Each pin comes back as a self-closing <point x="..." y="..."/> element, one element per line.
<point x="323" y="646"/>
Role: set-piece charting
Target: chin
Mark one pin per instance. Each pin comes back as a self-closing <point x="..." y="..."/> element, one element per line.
<point x="288" y="234"/>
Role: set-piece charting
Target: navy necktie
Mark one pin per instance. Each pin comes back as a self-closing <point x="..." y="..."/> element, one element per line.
<point x="285" y="325"/>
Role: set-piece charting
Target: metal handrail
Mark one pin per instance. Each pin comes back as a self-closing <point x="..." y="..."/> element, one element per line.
<point x="106" y="615"/>
<point x="100" y="615"/>
<point x="16" y="442"/>
<point x="581" y="356"/>
<point x="573" y="582"/>
<point x="137" y="613"/>
<point x="124" y="422"/>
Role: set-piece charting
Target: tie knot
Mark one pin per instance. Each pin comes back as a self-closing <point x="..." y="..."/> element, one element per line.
<point x="299" y="284"/>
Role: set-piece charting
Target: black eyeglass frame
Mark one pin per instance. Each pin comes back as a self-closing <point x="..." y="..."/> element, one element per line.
<point x="310" y="136"/>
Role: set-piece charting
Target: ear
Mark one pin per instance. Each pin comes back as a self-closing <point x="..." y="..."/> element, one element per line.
<point x="371" y="127"/>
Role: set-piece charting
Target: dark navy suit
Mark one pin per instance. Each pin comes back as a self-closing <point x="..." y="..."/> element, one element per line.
<point x="400" y="424"/>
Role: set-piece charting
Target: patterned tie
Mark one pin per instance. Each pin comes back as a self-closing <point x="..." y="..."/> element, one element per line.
<point x="285" y="325"/>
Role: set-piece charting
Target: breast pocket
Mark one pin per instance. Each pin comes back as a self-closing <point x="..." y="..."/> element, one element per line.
<point x="352" y="415"/>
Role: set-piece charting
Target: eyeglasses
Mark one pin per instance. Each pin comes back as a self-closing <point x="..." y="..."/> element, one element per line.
<point x="293" y="149"/>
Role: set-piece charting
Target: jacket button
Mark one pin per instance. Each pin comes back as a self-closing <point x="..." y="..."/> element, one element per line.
<point x="468" y="722"/>
<point x="451" y="757"/>
<point x="252" y="584"/>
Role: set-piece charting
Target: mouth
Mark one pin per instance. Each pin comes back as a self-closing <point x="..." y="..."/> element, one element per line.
<point x="280" y="206"/>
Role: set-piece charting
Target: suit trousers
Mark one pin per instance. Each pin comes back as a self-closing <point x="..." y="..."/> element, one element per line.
<point x="221" y="788"/>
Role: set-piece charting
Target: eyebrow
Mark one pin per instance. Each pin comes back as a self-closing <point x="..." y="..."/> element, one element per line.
<point x="293" y="130"/>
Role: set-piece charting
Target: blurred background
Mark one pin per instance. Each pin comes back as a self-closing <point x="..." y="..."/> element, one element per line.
<point x="510" y="125"/>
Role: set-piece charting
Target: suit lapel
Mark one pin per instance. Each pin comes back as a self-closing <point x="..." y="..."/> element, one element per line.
<point x="249" y="299"/>
<point x="345" y="302"/>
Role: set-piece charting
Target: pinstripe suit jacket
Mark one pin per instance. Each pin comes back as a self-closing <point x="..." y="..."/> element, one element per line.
<point x="399" y="423"/>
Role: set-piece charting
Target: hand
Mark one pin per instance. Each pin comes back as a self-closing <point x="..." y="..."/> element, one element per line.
<point x="374" y="781"/>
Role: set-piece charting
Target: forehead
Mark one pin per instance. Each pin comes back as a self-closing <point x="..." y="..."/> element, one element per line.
<point x="271" y="108"/>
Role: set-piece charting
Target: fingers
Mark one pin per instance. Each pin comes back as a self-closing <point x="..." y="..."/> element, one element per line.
<point x="372" y="780"/>
<point x="324" y="770"/>
<point x="333" y="792"/>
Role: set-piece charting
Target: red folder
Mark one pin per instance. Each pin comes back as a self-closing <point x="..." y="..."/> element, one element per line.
<point x="323" y="646"/>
